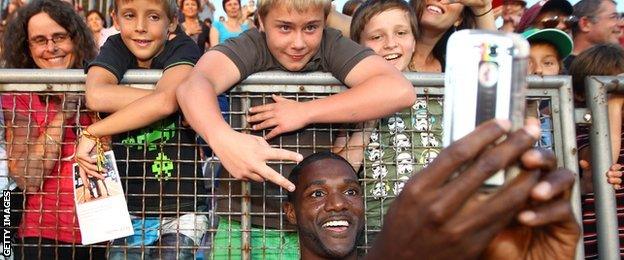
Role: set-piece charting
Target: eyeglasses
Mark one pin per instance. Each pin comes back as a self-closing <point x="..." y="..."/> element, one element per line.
<point x="554" y="21"/>
<point x="612" y="17"/>
<point x="41" y="41"/>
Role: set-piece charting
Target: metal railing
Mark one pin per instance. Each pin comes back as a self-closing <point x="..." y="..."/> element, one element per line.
<point x="596" y="90"/>
<point x="556" y="91"/>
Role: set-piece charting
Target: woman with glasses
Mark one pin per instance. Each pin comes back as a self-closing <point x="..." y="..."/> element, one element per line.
<point x="41" y="129"/>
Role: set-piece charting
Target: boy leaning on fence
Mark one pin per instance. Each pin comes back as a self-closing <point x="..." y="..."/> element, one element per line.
<point x="292" y="36"/>
<point x="155" y="152"/>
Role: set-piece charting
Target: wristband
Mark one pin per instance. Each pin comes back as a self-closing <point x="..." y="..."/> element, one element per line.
<point x="88" y="135"/>
<point x="99" y="149"/>
<point x="486" y="12"/>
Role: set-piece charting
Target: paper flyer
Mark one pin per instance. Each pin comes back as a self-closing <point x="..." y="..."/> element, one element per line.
<point x="101" y="206"/>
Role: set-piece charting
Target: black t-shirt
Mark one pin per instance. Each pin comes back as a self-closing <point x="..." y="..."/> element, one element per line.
<point x="160" y="162"/>
<point x="250" y="54"/>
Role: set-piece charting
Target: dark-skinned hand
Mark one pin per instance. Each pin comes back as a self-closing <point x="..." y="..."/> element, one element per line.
<point x="440" y="217"/>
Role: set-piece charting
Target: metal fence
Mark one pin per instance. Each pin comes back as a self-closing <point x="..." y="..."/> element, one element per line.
<point x="250" y="213"/>
<point x="596" y="89"/>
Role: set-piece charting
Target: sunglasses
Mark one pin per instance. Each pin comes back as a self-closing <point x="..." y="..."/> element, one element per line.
<point x="554" y="21"/>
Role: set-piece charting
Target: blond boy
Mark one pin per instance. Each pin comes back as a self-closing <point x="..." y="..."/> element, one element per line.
<point x="292" y="37"/>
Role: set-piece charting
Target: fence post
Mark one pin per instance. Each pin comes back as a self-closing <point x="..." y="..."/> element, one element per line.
<point x="245" y="193"/>
<point x="570" y="159"/>
<point x="606" y="220"/>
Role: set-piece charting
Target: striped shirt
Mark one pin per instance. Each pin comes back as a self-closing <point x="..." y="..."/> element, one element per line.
<point x="590" y="237"/>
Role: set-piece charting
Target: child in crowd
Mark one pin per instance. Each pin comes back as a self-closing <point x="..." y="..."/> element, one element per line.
<point x="548" y="49"/>
<point x="437" y="21"/>
<point x="292" y="37"/>
<point x="405" y="142"/>
<point x="156" y="154"/>
<point x="606" y="60"/>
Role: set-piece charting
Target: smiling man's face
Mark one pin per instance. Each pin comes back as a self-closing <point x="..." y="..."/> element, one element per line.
<point x="327" y="208"/>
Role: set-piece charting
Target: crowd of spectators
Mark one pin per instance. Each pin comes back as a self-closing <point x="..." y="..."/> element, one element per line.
<point x="388" y="35"/>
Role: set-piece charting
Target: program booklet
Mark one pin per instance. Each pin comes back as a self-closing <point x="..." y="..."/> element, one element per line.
<point x="101" y="206"/>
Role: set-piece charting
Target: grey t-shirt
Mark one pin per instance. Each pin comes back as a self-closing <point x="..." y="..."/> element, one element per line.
<point x="337" y="54"/>
<point x="250" y="54"/>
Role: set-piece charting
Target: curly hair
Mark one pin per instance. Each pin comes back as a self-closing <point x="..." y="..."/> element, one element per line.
<point x="15" y="51"/>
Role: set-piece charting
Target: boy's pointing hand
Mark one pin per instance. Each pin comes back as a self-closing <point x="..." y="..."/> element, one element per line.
<point x="245" y="157"/>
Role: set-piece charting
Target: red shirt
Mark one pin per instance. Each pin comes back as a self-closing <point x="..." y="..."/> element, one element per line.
<point x="49" y="213"/>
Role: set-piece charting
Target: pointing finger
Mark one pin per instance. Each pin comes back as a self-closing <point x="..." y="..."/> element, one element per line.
<point x="271" y="175"/>
<point x="284" y="155"/>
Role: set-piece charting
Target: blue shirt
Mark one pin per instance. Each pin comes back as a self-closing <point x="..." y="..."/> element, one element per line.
<point x="225" y="34"/>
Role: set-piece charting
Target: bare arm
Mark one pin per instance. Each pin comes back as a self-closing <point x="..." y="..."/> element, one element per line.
<point x="197" y="96"/>
<point x="104" y="95"/>
<point x="482" y="9"/>
<point x="244" y="156"/>
<point x="157" y="105"/>
<point x="486" y="21"/>
<point x="339" y="22"/>
<point x="372" y="81"/>
<point x="32" y="155"/>
<point x="214" y="36"/>
<point x="615" y="105"/>
<point x="377" y="89"/>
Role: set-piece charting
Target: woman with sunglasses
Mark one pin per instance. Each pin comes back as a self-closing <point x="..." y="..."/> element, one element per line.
<point x="555" y="14"/>
<point x="41" y="129"/>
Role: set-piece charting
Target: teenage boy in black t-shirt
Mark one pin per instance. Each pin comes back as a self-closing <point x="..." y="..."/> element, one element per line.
<point x="155" y="152"/>
<point x="292" y="37"/>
